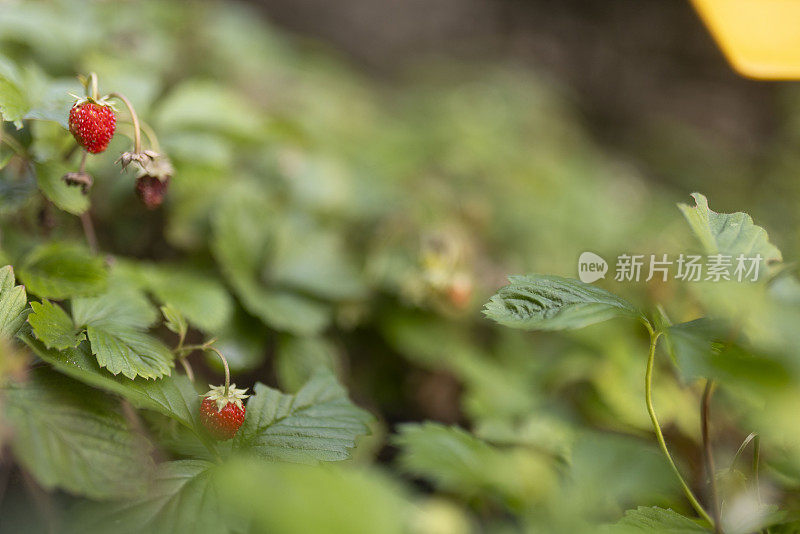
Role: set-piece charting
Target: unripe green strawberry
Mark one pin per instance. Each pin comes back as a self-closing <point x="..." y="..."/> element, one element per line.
<point x="222" y="414"/>
<point x="92" y="123"/>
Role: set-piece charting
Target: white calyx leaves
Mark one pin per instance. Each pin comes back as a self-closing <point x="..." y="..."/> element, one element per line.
<point x="235" y="395"/>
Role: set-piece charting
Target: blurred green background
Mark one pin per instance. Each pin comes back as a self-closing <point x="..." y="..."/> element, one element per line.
<point x="354" y="181"/>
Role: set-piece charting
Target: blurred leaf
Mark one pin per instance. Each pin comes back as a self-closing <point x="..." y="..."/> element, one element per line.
<point x="655" y="520"/>
<point x="456" y="461"/>
<point x="59" y="270"/>
<point x="13" y="104"/>
<point x="53" y="326"/>
<point x="115" y="323"/>
<point x="704" y="348"/>
<point x="317" y="423"/>
<point x="309" y="259"/>
<point x="13" y="300"/>
<point x="202" y="300"/>
<point x="728" y="233"/>
<point x="184" y="497"/>
<point x="303" y="498"/>
<point x="174" y="320"/>
<point x="298" y="358"/>
<point x="239" y="244"/>
<point x="223" y="111"/>
<point x="73" y="437"/>
<point x="67" y="197"/>
<point x="543" y="302"/>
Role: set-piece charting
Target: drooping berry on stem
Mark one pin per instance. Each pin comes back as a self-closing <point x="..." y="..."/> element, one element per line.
<point x="222" y="411"/>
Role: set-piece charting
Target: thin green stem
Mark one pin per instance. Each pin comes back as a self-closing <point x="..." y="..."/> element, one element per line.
<point x="137" y="134"/>
<point x="708" y="455"/>
<point x="91" y="86"/>
<point x="756" y="461"/>
<point x="648" y="394"/>
<point x="227" y="370"/>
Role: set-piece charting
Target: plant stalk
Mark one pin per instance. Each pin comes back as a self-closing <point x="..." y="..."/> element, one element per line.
<point x="648" y="391"/>
<point x="137" y="134"/>
<point x="708" y="454"/>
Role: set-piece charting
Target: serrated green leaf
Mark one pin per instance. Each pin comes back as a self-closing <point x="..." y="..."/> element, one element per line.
<point x="239" y="243"/>
<point x="728" y="233"/>
<point x="69" y="198"/>
<point x="317" y="423"/>
<point x="60" y="270"/>
<point x="13" y="300"/>
<point x="183" y="498"/>
<point x="655" y="520"/>
<point x="115" y="323"/>
<point x="73" y="437"/>
<point x="130" y="352"/>
<point x="53" y="326"/>
<point x="173" y="396"/>
<point x="544" y="302"/>
<point x="174" y="320"/>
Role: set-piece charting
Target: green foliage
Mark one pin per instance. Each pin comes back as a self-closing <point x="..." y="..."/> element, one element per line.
<point x="543" y="302"/>
<point x="728" y="233"/>
<point x="13" y="301"/>
<point x="51" y="325"/>
<point x="317" y="423"/>
<point x="323" y="229"/>
<point x="183" y="492"/>
<point x="58" y="271"/>
<point x="115" y="323"/>
<point x="75" y="437"/>
<point x="656" y="520"/>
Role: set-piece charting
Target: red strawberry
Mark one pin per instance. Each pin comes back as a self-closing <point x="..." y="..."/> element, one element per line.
<point x="92" y="124"/>
<point x="223" y="413"/>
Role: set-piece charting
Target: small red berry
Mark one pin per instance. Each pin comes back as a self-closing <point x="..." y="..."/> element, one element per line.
<point x="92" y="124"/>
<point x="151" y="190"/>
<point x="222" y="414"/>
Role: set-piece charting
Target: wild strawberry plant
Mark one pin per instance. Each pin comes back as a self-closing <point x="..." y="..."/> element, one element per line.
<point x="207" y="239"/>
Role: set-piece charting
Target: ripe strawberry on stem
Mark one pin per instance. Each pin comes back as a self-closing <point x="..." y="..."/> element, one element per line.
<point x="91" y="119"/>
<point x="222" y="411"/>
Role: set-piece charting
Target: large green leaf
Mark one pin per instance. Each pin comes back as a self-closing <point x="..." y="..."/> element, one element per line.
<point x="173" y="396"/>
<point x="74" y="437"/>
<point x="13" y="300"/>
<point x="728" y="233"/>
<point x="69" y="198"/>
<point x="60" y="270"/>
<point x="289" y="499"/>
<point x="317" y="423"/>
<point x="544" y="302"/>
<point x="655" y="520"/>
<point x="53" y="326"/>
<point x="183" y="498"/>
<point x="115" y="323"/>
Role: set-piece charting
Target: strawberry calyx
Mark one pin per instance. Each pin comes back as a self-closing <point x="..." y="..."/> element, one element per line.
<point x="222" y="398"/>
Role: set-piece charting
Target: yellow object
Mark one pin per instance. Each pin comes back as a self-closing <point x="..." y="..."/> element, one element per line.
<point x="760" y="38"/>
